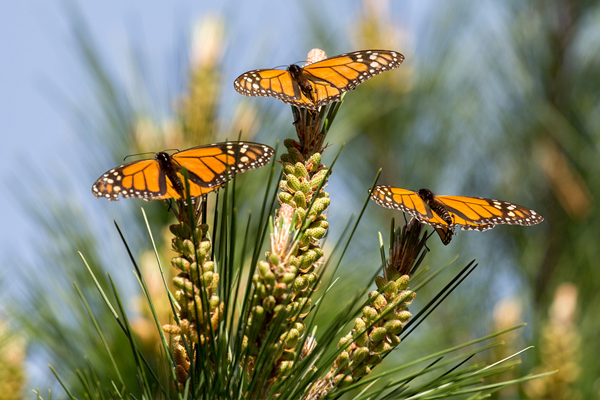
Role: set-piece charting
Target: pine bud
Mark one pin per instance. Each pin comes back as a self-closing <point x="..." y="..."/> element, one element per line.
<point x="404" y="316"/>
<point x="208" y="266"/>
<point x="295" y="155"/>
<point x="288" y="277"/>
<point x="290" y="143"/>
<point x="342" y="360"/>
<point x="207" y="278"/>
<point x="214" y="301"/>
<point x="316" y="159"/>
<point x="274" y="258"/>
<point x="300" y="170"/>
<point x="344" y="341"/>
<point x="300" y="284"/>
<point x="393" y="326"/>
<point x="380" y="282"/>
<point x="290" y="338"/>
<point x="180" y="263"/>
<point x="403" y="282"/>
<point x="391" y="289"/>
<point x="293" y="183"/>
<point x="379" y="302"/>
<point x="188" y="249"/>
<point x="370" y="314"/>
<point x="315" y="233"/>
<point x="318" y="178"/>
<point x="176" y="230"/>
<point x="305" y="187"/>
<point x="288" y="168"/>
<point x="394" y="340"/>
<point x="360" y="354"/>
<point x="377" y="334"/>
<point x="359" y="325"/>
<point x="285" y="198"/>
<point x="300" y="199"/>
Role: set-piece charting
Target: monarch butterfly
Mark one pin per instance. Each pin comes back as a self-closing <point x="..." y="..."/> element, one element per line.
<point x="444" y="213"/>
<point x="161" y="178"/>
<point x="320" y="83"/>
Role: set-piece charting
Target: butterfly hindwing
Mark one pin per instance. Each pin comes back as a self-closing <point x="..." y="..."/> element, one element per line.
<point x="324" y="81"/>
<point x="143" y="179"/>
<point x="445" y="234"/>
<point x="271" y="83"/>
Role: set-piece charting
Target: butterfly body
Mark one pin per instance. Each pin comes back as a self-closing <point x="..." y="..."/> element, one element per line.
<point x="319" y="83"/>
<point x="444" y="213"/>
<point x="303" y="83"/>
<point x="162" y="177"/>
<point x="429" y="198"/>
<point x="170" y="169"/>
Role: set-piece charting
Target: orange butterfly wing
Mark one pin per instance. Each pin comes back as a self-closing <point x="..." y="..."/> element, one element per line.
<point x="143" y="179"/>
<point x="208" y="168"/>
<point x="479" y="213"/>
<point x="336" y="75"/>
<point x="272" y="83"/>
<point x="328" y="79"/>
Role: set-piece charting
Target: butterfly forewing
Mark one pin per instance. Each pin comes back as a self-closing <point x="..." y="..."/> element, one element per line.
<point x="266" y="82"/>
<point x="479" y="213"/>
<point x="208" y="168"/>
<point x="347" y="71"/>
<point x="401" y="199"/>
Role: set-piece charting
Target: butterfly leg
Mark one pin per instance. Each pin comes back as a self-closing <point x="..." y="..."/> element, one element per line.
<point x="170" y="203"/>
<point x="203" y="206"/>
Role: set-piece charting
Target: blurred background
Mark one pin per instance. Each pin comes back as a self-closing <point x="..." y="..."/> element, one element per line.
<point x="496" y="98"/>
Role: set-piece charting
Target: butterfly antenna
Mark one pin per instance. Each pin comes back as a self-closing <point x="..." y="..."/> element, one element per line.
<point x="138" y="154"/>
